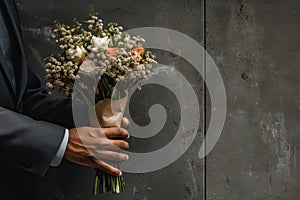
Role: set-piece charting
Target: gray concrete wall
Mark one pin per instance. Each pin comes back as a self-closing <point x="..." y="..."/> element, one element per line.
<point x="256" y="47"/>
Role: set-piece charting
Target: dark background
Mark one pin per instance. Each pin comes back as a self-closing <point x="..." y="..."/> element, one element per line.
<point x="256" y="47"/>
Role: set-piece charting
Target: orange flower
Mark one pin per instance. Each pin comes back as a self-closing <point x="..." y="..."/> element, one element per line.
<point x="140" y="50"/>
<point x="138" y="58"/>
<point x="111" y="52"/>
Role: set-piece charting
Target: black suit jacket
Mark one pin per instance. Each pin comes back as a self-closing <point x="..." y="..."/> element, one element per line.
<point x="32" y="123"/>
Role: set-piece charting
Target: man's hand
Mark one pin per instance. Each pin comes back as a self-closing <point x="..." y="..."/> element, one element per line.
<point x="89" y="146"/>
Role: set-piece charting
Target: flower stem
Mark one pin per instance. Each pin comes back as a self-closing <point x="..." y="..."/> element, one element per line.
<point x="96" y="185"/>
<point x="105" y="182"/>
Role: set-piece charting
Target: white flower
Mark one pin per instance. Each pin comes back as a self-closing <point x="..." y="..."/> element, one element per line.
<point x="87" y="67"/>
<point x="76" y="55"/>
<point x="98" y="44"/>
<point x="90" y="69"/>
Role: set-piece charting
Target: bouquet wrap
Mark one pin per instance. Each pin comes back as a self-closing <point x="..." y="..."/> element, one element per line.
<point x="109" y="112"/>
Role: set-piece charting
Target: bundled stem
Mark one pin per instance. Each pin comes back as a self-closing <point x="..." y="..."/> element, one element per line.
<point x="108" y="183"/>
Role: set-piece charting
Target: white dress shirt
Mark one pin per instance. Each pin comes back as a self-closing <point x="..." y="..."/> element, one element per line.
<point x="61" y="150"/>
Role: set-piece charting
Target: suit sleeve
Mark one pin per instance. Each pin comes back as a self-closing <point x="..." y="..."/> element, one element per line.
<point x="38" y="104"/>
<point x="26" y="143"/>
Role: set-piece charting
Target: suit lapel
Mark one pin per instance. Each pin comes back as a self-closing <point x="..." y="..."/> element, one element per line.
<point x="21" y="71"/>
<point x="4" y="67"/>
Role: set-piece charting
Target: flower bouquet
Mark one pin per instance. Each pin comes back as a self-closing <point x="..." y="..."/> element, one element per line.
<point x="98" y="58"/>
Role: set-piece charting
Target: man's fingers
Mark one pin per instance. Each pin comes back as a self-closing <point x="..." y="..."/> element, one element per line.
<point x="80" y="160"/>
<point x="112" y="145"/>
<point x="107" y="168"/>
<point x="93" y="149"/>
<point x="115" y="132"/>
<point x="125" y="122"/>
<point x="120" y="144"/>
<point x="111" y="155"/>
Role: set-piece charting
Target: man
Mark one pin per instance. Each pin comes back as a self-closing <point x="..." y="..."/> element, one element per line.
<point x="33" y="134"/>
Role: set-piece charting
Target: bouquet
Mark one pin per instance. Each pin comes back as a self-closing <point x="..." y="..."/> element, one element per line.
<point x="98" y="58"/>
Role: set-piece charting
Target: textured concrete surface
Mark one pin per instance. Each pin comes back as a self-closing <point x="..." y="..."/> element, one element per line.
<point x="256" y="47"/>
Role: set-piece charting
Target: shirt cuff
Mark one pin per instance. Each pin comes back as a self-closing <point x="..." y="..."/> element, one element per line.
<point x="61" y="151"/>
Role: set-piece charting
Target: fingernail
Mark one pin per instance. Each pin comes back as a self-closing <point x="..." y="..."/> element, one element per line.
<point x="120" y="174"/>
<point x="126" y="157"/>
